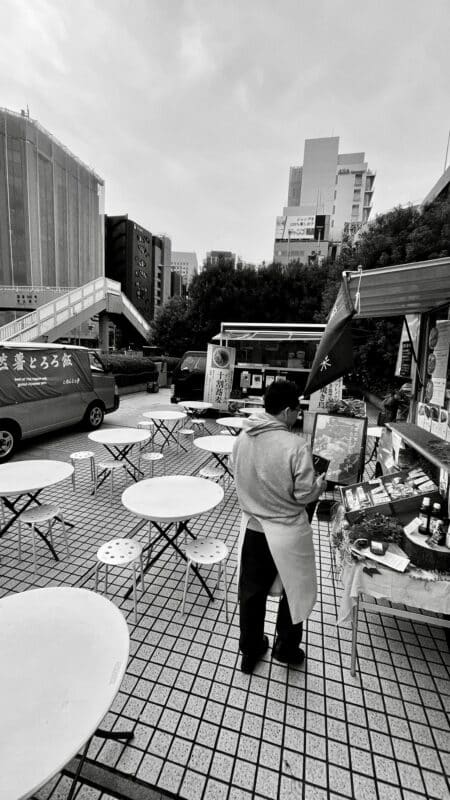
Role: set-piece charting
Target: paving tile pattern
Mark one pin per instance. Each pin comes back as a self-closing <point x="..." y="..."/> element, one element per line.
<point x="204" y="730"/>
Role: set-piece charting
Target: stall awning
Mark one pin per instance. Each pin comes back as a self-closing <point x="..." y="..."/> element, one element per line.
<point x="266" y="333"/>
<point x="401" y="289"/>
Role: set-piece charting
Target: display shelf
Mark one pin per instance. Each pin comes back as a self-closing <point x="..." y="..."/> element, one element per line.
<point x="431" y="447"/>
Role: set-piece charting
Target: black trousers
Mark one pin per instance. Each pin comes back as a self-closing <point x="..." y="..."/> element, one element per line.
<point x="257" y="575"/>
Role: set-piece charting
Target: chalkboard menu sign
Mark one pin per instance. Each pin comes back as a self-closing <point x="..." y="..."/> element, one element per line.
<point x="342" y="440"/>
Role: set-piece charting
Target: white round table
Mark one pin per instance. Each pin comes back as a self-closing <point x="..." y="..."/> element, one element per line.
<point x="234" y="424"/>
<point x="195" y="405"/>
<point x="171" y="499"/>
<point x="161" y="417"/>
<point x="252" y="410"/>
<point x="65" y="652"/>
<point x="219" y="447"/>
<point x="30" y="478"/>
<point x="119" y="442"/>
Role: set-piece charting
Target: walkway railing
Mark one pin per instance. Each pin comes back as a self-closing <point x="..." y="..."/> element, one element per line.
<point x="67" y="308"/>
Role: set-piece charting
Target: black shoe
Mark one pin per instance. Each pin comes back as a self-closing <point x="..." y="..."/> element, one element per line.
<point x="249" y="661"/>
<point x="288" y="655"/>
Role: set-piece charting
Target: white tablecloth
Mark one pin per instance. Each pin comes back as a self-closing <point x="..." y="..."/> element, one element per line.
<point x="397" y="587"/>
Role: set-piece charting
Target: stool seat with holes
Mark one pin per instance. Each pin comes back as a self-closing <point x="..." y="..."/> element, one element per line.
<point x="152" y="458"/>
<point x="121" y="553"/>
<point x="83" y="455"/>
<point x="204" y="552"/>
<point x="47" y="512"/>
<point x="211" y="473"/>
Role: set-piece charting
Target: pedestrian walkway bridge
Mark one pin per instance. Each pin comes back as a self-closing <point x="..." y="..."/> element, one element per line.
<point x="64" y="312"/>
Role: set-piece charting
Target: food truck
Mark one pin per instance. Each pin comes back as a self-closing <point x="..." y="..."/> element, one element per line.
<point x="415" y="451"/>
<point x="245" y="358"/>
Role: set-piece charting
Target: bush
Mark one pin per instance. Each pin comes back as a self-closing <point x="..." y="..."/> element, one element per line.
<point x="138" y="366"/>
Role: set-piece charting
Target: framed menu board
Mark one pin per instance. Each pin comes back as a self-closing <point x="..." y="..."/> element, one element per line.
<point x="342" y="440"/>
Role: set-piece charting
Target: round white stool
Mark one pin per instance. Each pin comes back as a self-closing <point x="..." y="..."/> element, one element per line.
<point x="36" y="515"/>
<point x="121" y="553"/>
<point x="186" y="433"/>
<point x="83" y="455"/>
<point x="207" y="551"/>
<point x="109" y="467"/>
<point x="211" y="473"/>
<point x="152" y="459"/>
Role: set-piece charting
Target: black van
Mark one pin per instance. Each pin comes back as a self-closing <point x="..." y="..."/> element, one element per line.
<point x="189" y="377"/>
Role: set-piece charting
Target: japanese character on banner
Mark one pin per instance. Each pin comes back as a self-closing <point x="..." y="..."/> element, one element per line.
<point x="19" y="362"/>
<point x="54" y="361"/>
<point x="66" y="360"/>
<point x="33" y="362"/>
<point x="3" y="362"/>
<point x="44" y="362"/>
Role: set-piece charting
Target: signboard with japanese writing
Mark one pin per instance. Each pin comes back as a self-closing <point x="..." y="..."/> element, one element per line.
<point x="331" y="392"/>
<point x="219" y="375"/>
<point x="37" y="374"/>
<point x="295" y="228"/>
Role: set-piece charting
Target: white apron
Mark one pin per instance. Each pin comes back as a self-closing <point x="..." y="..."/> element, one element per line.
<point x="291" y="547"/>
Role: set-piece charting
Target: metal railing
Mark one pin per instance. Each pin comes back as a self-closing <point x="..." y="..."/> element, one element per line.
<point x="66" y="307"/>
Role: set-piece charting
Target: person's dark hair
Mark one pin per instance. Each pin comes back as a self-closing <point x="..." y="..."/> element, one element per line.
<point x="281" y="395"/>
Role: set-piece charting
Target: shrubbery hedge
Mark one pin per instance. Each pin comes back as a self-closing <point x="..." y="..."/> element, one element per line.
<point x="129" y="365"/>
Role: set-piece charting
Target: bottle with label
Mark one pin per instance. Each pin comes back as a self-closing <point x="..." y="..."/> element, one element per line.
<point x="436" y="525"/>
<point x="424" y="516"/>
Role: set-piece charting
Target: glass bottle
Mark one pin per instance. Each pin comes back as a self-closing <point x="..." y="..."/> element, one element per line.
<point x="436" y="528"/>
<point x="424" y="516"/>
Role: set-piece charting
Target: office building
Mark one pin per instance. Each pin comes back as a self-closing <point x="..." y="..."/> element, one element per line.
<point x="140" y="262"/>
<point x="216" y="258"/>
<point x="184" y="264"/>
<point x="329" y="198"/>
<point x="51" y="209"/>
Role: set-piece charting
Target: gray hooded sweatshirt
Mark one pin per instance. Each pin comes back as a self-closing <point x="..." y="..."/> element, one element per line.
<point x="274" y="479"/>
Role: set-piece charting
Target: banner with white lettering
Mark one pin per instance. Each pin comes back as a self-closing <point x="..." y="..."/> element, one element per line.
<point x="219" y="375"/>
<point x="37" y="374"/>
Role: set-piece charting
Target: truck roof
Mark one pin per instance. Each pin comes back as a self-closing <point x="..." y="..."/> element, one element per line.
<point x="41" y="346"/>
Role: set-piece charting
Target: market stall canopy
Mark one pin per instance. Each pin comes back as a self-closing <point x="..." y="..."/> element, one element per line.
<point x="292" y="332"/>
<point x="401" y="289"/>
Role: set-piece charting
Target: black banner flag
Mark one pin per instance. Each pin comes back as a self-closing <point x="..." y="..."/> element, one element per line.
<point x="334" y="356"/>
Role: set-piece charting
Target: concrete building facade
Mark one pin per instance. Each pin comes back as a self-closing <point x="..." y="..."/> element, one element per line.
<point x="184" y="264"/>
<point x="329" y="197"/>
<point x="51" y="209"/>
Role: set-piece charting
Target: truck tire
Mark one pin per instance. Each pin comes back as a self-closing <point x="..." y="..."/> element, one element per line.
<point x="94" y="416"/>
<point x="9" y="438"/>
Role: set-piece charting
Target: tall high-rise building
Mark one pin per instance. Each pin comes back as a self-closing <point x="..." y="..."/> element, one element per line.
<point x="140" y="261"/>
<point x="51" y="209"/>
<point x="329" y="197"/>
<point x="184" y="264"/>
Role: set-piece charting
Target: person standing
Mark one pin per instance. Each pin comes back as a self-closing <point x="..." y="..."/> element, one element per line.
<point x="274" y="480"/>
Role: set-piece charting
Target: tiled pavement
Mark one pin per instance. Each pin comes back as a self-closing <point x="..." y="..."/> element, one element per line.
<point x="205" y="731"/>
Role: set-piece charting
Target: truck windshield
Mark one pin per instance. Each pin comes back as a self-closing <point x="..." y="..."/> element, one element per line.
<point x="193" y="362"/>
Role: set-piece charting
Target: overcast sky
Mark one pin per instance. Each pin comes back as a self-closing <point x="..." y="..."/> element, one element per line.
<point x="192" y="111"/>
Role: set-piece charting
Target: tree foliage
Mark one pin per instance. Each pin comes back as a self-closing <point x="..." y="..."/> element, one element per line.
<point x="301" y="293"/>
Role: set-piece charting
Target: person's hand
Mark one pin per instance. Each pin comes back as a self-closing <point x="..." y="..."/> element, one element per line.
<point x="321" y="482"/>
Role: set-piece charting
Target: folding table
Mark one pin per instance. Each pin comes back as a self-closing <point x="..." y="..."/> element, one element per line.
<point x="66" y="651"/>
<point x="170" y="502"/>
<point x="234" y="424"/>
<point x="20" y="479"/>
<point x="160" y="418"/>
<point x="119" y="443"/>
<point x="219" y="446"/>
